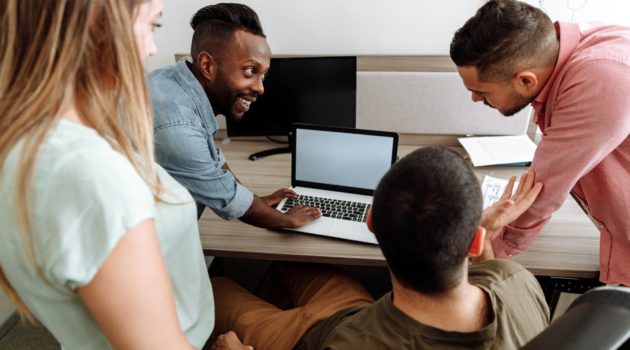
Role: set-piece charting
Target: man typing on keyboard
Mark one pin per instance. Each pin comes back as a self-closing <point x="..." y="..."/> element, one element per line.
<point x="332" y="208"/>
<point x="427" y="218"/>
<point x="230" y="57"/>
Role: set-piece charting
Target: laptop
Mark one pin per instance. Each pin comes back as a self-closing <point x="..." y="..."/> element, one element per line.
<point x="337" y="170"/>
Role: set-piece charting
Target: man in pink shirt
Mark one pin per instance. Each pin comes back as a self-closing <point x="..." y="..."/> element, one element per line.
<point x="577" y="78"/>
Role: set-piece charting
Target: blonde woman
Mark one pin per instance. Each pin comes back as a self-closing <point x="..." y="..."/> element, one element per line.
<point x="96" y="242"/>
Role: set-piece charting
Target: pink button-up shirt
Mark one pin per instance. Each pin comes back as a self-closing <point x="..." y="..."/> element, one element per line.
<point x="584" y="114"/>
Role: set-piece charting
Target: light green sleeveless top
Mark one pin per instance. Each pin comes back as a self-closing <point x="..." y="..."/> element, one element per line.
<point x="85" y="197"/>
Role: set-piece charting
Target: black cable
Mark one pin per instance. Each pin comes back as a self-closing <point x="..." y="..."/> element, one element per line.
<point x="277" y="141"/>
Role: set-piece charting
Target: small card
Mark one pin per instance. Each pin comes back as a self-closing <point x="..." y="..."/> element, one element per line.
<point x="493" y="188"/>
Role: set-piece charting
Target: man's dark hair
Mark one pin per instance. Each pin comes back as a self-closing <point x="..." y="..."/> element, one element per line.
<point x="425" y="214"/>
<point x="214" y="27"/>
<point x="504" y="37"/>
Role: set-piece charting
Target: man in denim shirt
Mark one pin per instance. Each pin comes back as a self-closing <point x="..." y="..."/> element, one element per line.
<point x="230" y="60"/>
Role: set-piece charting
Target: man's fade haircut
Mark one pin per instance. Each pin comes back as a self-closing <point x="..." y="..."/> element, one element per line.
<point x="504" y="37"/>
<point x="214" y="27"/>
<point x="425" y="213"/>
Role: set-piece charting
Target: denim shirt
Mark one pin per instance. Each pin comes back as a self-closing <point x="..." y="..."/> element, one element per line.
<point x="184" y="126"/>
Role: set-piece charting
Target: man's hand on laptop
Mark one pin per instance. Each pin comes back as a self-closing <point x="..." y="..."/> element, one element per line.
<point x="273" y="199"/>
<point x="301" y="215"/>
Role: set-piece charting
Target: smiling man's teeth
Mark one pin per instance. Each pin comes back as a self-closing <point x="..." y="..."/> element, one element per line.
<point x="245" y="102"/>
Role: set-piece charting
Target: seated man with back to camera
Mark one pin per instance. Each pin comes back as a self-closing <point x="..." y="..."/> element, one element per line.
<point x="427" y="217"/>
<point x="230" y="58"/>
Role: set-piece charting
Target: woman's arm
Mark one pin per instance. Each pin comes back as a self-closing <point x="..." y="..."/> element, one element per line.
<point x="131" y="298"/>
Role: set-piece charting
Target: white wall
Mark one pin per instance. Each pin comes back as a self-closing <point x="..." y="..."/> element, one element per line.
<point x="363" y="27"/>
<point x="321" y="27"/>
<point x="611" y="11"/>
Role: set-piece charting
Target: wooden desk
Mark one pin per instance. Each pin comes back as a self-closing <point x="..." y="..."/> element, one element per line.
<point x="568" y="246"/>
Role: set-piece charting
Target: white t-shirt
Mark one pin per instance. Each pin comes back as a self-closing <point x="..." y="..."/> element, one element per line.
<point x="85" y="197"/>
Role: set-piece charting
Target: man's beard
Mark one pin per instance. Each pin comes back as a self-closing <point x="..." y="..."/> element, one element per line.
<point x="518" y="102"/>
<point x="222" y="99"/>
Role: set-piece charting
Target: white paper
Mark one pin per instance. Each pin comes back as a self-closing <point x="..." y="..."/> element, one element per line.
<point x="489" y="150"/>
<point x="492" y="189"/>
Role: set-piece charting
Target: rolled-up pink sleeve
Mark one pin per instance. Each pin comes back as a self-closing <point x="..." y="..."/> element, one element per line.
<point x="590" y="119"/>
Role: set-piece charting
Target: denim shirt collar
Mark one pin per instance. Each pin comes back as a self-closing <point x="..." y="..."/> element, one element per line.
<point x="193" y="88"/>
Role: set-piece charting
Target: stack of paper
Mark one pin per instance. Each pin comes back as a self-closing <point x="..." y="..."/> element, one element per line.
<point x="492" y="150"/>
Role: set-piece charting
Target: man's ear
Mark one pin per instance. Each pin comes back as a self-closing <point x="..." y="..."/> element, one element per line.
<point x="526" y="82"/>
<point x="476" y="247"/>
<point x="368" y="219"/>
<point x="207" y="65"/>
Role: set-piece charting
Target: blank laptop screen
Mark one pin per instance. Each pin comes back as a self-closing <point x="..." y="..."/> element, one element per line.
<point x="342" y="159"/>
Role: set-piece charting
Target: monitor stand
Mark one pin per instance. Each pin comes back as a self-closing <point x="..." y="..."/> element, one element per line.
<point x="269" y="152"/>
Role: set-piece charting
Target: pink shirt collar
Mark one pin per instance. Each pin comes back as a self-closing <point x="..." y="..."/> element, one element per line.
<point x="569" y="34"/>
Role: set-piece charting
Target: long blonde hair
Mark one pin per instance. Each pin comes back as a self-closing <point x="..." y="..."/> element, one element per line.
<point x="62" y="53"/>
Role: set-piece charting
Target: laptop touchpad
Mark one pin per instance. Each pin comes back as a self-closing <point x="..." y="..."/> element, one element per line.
<point x="321" y="225"/>
<point x="353" y="231"/>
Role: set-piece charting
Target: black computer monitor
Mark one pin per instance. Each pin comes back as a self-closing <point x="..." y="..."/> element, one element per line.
<point x="313" y="90"/>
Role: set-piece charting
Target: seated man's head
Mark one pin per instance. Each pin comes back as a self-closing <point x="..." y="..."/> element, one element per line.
<point x="230" y="56"/>
<point x="425" y="216"/>
<point x="501" y="52"/>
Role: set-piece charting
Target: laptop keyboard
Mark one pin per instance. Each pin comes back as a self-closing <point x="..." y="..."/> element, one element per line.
<point x="332" y="208"/>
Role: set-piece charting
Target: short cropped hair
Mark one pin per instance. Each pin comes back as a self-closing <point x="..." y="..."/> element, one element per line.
<point x="504" y="37"/>
<point x="214" y="27"/>
<point x="425" y="214"/>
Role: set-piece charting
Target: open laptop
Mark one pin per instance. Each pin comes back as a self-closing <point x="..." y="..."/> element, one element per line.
<point x="337" y="170"/>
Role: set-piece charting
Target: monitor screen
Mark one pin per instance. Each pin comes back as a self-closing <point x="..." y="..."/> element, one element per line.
<point x="314" y="90"/>
<point x="332" y="158"/>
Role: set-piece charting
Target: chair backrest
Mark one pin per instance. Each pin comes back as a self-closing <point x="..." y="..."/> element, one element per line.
<point x="599" y="319"/>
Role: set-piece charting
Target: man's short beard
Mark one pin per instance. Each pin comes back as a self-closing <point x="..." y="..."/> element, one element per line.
<point x="518" y="101"/>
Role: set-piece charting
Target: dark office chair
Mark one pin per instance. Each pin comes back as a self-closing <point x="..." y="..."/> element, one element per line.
<point x="598" y="319"/>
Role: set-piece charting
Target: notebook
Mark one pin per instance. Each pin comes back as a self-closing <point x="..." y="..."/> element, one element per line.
<point x="337" y="170"/>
